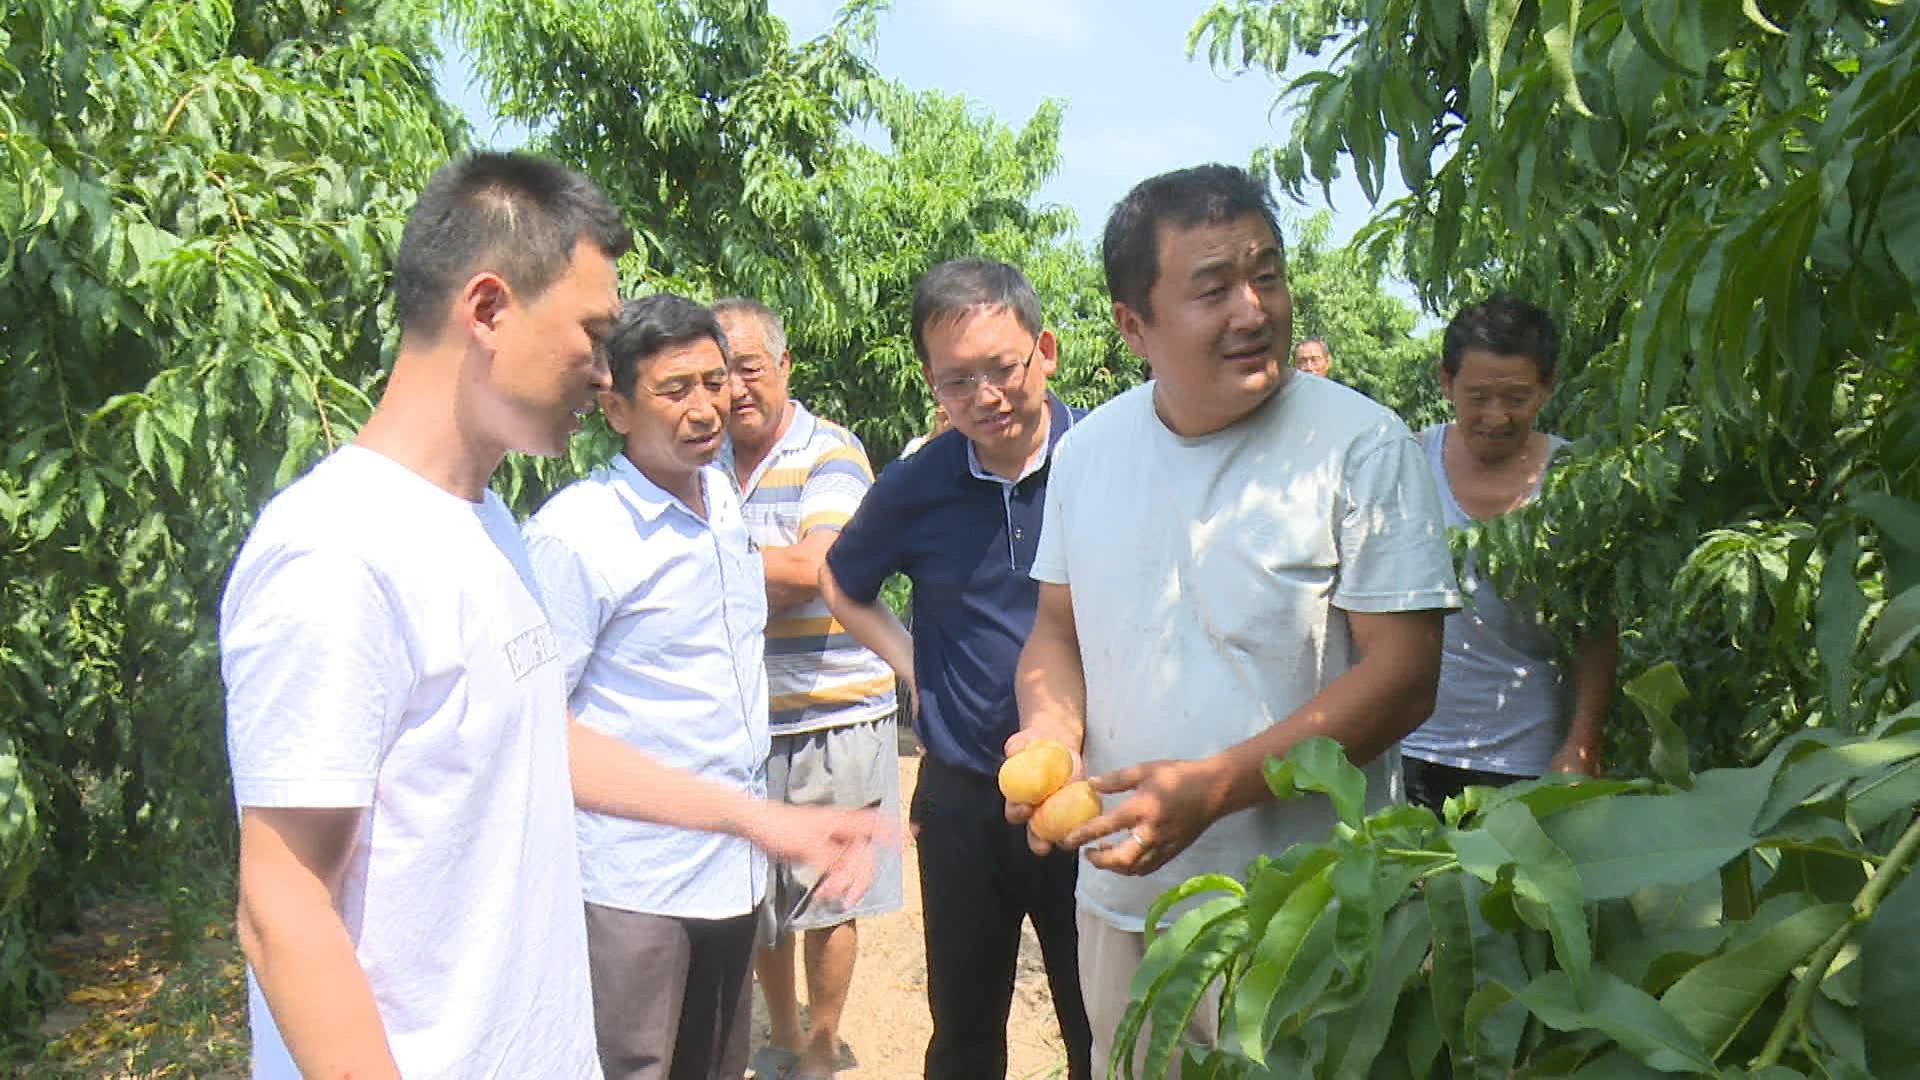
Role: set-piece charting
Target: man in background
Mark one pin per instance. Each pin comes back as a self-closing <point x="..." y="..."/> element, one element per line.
<point x="1312" y="357"/>
<point x="960" y="519"/>
<point x="834" y="737"/>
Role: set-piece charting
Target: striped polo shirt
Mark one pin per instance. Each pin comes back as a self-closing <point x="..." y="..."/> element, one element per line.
<point x="817" y="675"/>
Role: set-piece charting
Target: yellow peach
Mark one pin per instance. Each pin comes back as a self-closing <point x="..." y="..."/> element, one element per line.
<point x="1064" y="811"/>
<point x="1036" y="772"/>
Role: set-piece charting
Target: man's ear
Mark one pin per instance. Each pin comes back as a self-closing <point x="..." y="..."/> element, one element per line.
<point x="614" y="407"/>
<point x="1047" y="350"/>
<point x="1132" y="328"/>
<point x="482" y="302"/>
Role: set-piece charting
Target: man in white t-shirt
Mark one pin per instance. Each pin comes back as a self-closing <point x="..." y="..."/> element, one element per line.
<point x="1232" y="561"/>
<point x="396" y="721"/>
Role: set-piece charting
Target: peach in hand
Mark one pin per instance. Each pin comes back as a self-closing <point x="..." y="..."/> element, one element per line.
<point x="1036" y="772"/>
<point x="1064" y="811"/>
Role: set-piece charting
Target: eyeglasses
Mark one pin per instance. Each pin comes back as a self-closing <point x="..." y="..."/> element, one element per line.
<point x="963" y="387"/>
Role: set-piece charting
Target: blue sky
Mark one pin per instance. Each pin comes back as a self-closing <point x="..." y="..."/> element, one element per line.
<point x="1135" y="105"/>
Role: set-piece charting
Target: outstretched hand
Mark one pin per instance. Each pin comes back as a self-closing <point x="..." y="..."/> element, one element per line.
<point x="839" y="843"/>
<point x="1172" y="803"/>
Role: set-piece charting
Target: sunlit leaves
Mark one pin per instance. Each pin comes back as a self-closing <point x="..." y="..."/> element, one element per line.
<point x="199" y="200"/>
<point x="1636" y="930"/>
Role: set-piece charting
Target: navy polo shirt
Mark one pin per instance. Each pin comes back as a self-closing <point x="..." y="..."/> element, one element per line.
<point x="966" y="540"/>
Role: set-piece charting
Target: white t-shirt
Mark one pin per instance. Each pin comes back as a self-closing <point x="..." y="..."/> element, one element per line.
<point x="383" y="647"/>
<point x="661" y="618"/>
<point x="1210" y="581"/>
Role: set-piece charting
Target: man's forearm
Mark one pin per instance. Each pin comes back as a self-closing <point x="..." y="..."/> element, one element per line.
<point x="611" y="777"/>
<point x="307" y="969"/>
<point x="1050" y="683"/>
<point x="1594" y="662"/>
<point x="793" y="572"/>
<point x="871" y="623"/>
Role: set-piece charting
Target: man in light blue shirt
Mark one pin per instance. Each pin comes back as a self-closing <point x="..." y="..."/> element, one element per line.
<point x="658" y="601"/>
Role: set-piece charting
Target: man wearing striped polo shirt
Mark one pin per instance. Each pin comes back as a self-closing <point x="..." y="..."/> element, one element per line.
<point x="832" y="701"/>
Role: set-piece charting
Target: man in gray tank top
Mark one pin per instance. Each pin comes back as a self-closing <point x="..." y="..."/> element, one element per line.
<point x="1509" y="707"/>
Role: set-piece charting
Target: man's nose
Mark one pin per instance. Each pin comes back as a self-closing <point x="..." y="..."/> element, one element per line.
<point x="1249" y="309"/>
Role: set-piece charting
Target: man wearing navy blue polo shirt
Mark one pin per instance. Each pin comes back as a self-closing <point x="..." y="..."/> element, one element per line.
<point x="960" y="519"/>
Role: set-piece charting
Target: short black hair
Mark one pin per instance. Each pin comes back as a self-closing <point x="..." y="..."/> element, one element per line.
<point x="773" y="330"/>
<point x="1503" y="325"/>
<point x="652" y="325"/>
<point x="1202" y="195"/>
<point x="958" y="286"/>
<point x="515" y="214"/>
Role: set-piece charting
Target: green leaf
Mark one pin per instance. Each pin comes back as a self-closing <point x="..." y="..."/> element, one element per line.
<point x="1897" y="628"/>
<point x="1658" y="691"/>
<point x="1320" y="764"/>
<point x="1193" y="886"/>
<point x="1273" y="958"/>
<point x="1751" y="8"/>
<point x="1359" y="1035"/>
<point x="1499" y="26"/>
<point x="1874" y="801"/>
<point x="1715" y="1000"/>
<point x="1837" y="618"/>
<point x="1807" y="774"/>
<point x="1626" y="843"/>
<point x="1174" y="975"/>
<point x="1559" y="21"/>
<point x="1898" y="521"/>
<point x="1466" y="953"/>
<point x="1625" y="1013"/>
<point x="1511" y="846"/>
<point x="1890" y="976"/>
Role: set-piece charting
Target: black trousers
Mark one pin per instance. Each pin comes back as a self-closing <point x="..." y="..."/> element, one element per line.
<point x="1430" y="783"/>
<point x="978" y="880"/>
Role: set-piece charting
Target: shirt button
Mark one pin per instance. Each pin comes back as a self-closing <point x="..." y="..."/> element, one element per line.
<point x="1019" y="534"/>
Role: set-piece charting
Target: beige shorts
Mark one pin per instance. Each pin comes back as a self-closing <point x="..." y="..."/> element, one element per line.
<point x="850" y="766"/>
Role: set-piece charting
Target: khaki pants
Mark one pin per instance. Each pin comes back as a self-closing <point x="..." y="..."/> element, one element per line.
<point x="1108" y="957"/>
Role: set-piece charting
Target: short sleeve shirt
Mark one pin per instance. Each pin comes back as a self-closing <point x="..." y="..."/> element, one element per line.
<point x="660" y="615"/>
<point x="1211" y="578"/>
<point x="383" y="647"/>
<point x="817" y="675"/>
<point x="966" y="540"/>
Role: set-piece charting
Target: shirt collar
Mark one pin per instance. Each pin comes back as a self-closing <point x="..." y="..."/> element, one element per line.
<point x="1059" y="419"/>
<point x="647" y="498"/>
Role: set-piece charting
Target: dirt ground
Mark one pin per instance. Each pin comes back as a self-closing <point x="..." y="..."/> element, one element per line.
<point x="884" y="1032"/>
<point x="142" y="1002"/>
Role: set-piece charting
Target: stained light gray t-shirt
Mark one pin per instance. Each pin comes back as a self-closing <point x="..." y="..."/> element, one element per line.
<point x="1504" y="703"/>
<point x="1211" y="579"/>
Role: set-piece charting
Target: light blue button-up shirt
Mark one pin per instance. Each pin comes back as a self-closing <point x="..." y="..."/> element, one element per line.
<point x="661" y="619"/>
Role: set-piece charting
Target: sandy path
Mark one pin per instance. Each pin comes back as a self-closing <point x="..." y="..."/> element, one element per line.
<point x="885" y="1029"/>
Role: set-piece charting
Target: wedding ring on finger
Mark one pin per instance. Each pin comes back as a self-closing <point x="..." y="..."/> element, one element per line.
<point x="1134" y="835"/>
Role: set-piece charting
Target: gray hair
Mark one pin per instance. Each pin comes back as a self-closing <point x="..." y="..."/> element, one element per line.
<point x="772" y="330"/>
